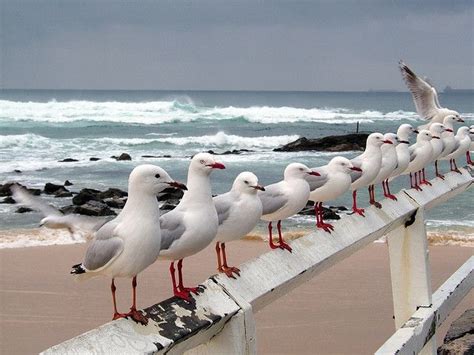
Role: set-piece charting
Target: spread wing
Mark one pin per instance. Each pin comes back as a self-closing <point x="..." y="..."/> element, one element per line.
<point x="172" y="228"/>
<point x="23" y="197"/>
<point x="105" y="247"/>
<point x="317" y="181"/>
<point x="424" y="95"/>
<point x="223" y="205"/>
<point x="273" y="198"/>
<point x="357" y="162"/>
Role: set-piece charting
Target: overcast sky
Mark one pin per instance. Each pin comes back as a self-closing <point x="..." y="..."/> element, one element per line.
<point x="233" y="44"/>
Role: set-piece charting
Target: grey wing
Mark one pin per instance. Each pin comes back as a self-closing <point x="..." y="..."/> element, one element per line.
<point x="413" y="154"/>
<point x="172" y="228"/>
<point x="424" y="97"/>
<point x="23" y="197"/>
<point x="105" y="247"/>
<point x="223" y="205"/>
<point x="357" y="162"/>
<point x="317" y="181"/>
<point x="273" y="198"/>
<point x="457" y="144"/>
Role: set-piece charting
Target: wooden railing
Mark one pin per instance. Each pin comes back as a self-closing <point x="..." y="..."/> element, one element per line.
<point x="220" y="320"/>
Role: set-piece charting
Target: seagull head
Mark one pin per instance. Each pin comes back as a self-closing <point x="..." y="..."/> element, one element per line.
<point x="298" y="171"/>
<point x="448" y="122"/>
<point x="390" y="138"/>
<point x="375" y="140"/>
<point x="404" y="131"/>
<point x="151" y="179"/>
<point x="343" y="165"/>
<point x="463" y="131"/>
<point x="424" y="135"/>
<point x="457" y="116"/>
<point x="436" y="129"/>
<point x="205" y="163"/>
<point x="247" y="182"/>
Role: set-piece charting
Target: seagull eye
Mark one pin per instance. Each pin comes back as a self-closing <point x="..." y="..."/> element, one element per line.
<point x="157" y="176"/>
<point x="246" y="182"/>
<point x="202" y="161"/>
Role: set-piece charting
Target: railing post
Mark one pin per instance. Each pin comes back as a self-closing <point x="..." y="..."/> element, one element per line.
<point x="410" y="271"/>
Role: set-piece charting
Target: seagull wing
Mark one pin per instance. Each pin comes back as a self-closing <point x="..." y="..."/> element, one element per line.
<point x="105" y="247"/>
<point x="356" y="162"/>
<point x="273" y="198"/>
<point x="172" y="228"/>
<point x="424" y="97"/>
<point x="23" y="197"/>
<point x="224" y="205"/>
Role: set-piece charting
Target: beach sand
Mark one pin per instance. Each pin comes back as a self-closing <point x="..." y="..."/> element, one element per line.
<point x="345" y="310"/>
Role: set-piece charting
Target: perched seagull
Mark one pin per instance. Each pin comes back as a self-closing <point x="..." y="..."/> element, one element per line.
<point x="130" y="242"/>
<point x="448" y="138"/>
<point x="403" y="154"/>
<point x="334" y="180"/>
<point x="192" y="225"/>
<point x="425" y="98"/>
<point x="471" y="146"/>
<point x="436" y="130"/>
<point x="285" y="198"/>
<point x="420" y="155"/>
<point x="389" y="163"/>
<point x="369" y="162"/>
<point x="461" y="147"/>
<point x="238" y="211"/>
<point x="54" y="218"/>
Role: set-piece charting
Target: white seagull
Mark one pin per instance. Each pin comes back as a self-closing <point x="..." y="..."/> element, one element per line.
<point x="238" y="211"/>
<point x="420" y="155"/>
<point x="436" y="130"/>
<point x="425" y="98"/>
<point x="389" y="163"/>
<point x="130" y="242"/>
<point x="461" y="147"/>
<point x="448" y="137"/>
<point x="471" y="146"/>
<point x="403" y="153"/>
<point x="334" y="180"/>
<point x="192" y="225"/>
<point x="285" y="198"/>
<point x="369" y="162"/>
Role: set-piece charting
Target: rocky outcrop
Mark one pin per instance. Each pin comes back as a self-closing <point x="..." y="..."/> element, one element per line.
<point x="347" y="142"/>
<point x="229" y="152"/>
<point x="123" y="156"/>
<point x="460" y="337"/>
<point x="53" y="189"/>
<point x="330" y="212"/>
<point x="68" y="160"/>
<point x="91" y="208"/>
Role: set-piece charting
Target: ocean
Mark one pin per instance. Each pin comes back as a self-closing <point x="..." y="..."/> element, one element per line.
<point x="38" y="128"/>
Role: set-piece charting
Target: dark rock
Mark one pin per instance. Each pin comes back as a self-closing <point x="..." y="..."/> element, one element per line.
<point x="68" y="160"/>
<point x="166" y="156"/>
<point x="171" y="194"/>
<point x="17" y="171"/>
<point x="68" y="183"/>
<point x="8" y="200"/>
<point x="63" y="194"/>
<point x="53" y="189"/>
<point x="167" y="207"/>
<point x="460" y="336"/>
<point x="328" y="213"/>
<point x="94" y="159"/>
<point x="156" y="156"/>
<point x="92" y="208"/>
<point x="5" y="189"/>
<point x="228" y="152"/>
<point x="123" y="156"/>
<point x="23" y="210"/>
<point x="115" y="202"/>
<point x="35" y="192"/>
<point x="86" y="195"/>
<point x="353" y="141"/>
<point x="112" y="192"/>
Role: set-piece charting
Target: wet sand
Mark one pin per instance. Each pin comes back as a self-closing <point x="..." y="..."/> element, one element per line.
<point x="345" y="310"/>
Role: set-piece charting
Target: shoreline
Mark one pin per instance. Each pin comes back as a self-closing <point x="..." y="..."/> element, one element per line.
<point x="332" y="312"/>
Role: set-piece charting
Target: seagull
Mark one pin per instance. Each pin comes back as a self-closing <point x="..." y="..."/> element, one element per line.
<point x="436" y="130"/>
<point x="192" y="225"/>
<point x="389" y="163"/>
<point x="55" y="219"/>
<point x="425" y="98"/>
<point x="462" y="144"/>
<point x="403" y="154"/>
<point x="420" y="155"/>
<point x="369" y="162"/>
<point x="334" y="180"/>
<point x="471" y="146"/>
<point x="448" y="138"/>
<point x="285" y="198"/>
<point x="238" y="211"/>
<point x="130" y="242"/>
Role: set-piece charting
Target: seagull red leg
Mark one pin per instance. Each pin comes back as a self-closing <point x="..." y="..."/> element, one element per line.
<point x="270" y="237"/>
<point x="423" y="180"/>
<point x="228" y="270"/>
<point x="438" y="174"/>
<point x="181" y="287"/>
<point x="117" y="315"/>
<point x="136" y="315"/>
<point x="389" y="194"/>
<point x="359" y="211"/>
<point x="282" y="245"/>
<point x="326" y="226"/>
<point x="219" y="261"/>
<point x="456" y="167"/>
<point x="177" y="292"/>
<point x="417" y="183"/>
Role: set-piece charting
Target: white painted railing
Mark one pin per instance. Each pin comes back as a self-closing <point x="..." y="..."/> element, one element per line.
<point x="220" y="320"/>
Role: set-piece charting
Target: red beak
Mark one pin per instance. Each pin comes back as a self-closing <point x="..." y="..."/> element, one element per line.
<point x="448" y="130"/>
<point x="217" y="166"/>
<point x="435" y="137"/>
<point x="259" y="187"/>
<point x="178" y="185"/>
<point x="387" y="141"/>
<point x="314" y="173"/>
<point x="355" y="168"/>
